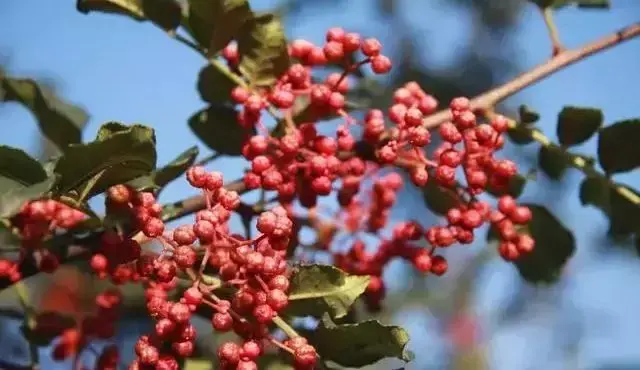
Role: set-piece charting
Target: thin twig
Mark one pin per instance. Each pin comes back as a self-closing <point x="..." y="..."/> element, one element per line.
<point x="564" y="59"/>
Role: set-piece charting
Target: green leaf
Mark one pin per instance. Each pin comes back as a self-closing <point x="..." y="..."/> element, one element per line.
<point x="198" y="364"/>
<point x="123" y="153"/>
<point x="164" y="13"/>
<point x="555" y="244"/>
<point x="60" y="122"/>
<point x="553" y="161"/>
<point x="263" y="49"/>
<point x="587" y="4"/>
<point x="577" y="124"/>
<point x="213" y="86"/>
<point x="12" y="200"/>
<point x="218" y="128"/>
<point x="213" y="24"/>
<point x="18" y="169"/>
<point x="515" y="187"/>
<point x="595" y="191"/>
<point x="624" y="218"/>
<point x="527" y="116"/>
<point x="364" y="343"/>
<point x="521" y="134"/>
<point x="439" y="199"/>
<point x="316" y="289"/>
<point x="162" y="176"/>
<point x="9" y="241"/>
<point x="274" y="362"/>
<point x="618" y="149"/>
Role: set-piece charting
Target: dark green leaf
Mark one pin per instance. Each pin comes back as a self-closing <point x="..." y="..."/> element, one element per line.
<point x="595" y="191"/>
<point x="618" y="149"/>
<point x="527" y="116"/>
<point x="121" y="154"/>
<point x="438" y="199"/>
<point x="521" y="134"/>
<point x="18" y="169"/>
<point x="316" y="289"/>
<point x="165" y="13"/>
<point x="553" y="161"/>
<point x="214" y="24"/>
<point x="263" y="49"/>
<point x="274" y="362"/>
<point x="213" y="86"/>
<point x="555" y="244"/>
<point x="198" y="364"/>
<point x="60" y="122"/>
<point x="557" y="4"/>
<point x="12" y="200"/>
<point x="361" y="344"/>
<point x="577" y="124"/>
<point x="218" y="128"/>
<point x="9" y="241"/>
<point x="162" y="176"/>
<point x="110" y="128"/>
<point x="515" y="187"/>
<point x="625" y="213"/>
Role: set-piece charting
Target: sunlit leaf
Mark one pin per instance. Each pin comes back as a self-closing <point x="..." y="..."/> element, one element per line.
<point x="263" y="49"/>
<point x="364" y="343"/>
<point x="316" y="289"/>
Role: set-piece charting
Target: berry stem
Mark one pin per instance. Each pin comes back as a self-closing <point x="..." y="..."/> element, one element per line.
<point x="285" y="327"/>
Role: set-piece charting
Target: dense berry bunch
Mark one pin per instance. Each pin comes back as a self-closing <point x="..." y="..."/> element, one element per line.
<point x="36" y="222"/>
<point x="244" y="281"/>
<point x="254" y="269"/>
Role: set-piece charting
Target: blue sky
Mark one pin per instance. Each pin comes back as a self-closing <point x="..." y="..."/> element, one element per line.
<point x="126" y="71"/>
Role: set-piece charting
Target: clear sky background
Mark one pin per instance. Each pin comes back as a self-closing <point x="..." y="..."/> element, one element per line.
<point x="126" y="71"/>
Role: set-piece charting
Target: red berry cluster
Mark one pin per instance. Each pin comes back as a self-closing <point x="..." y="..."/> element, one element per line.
<point x="255" y="269"/>
<point x="303" y="163"/>
<point x="36" y="222"/>
<point x="100" y="325"/>
<point x="140" y="206"/>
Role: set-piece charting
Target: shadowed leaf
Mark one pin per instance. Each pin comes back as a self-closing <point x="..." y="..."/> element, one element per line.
<point x="577" y="125"/>
<point x="618" y="149"/>
<point x="214" y="24"/>
<point x="218" y="128"/>
<point x="165" y="13"/>
<point x="553" y="161"/>
<point x="60" y="122"/>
